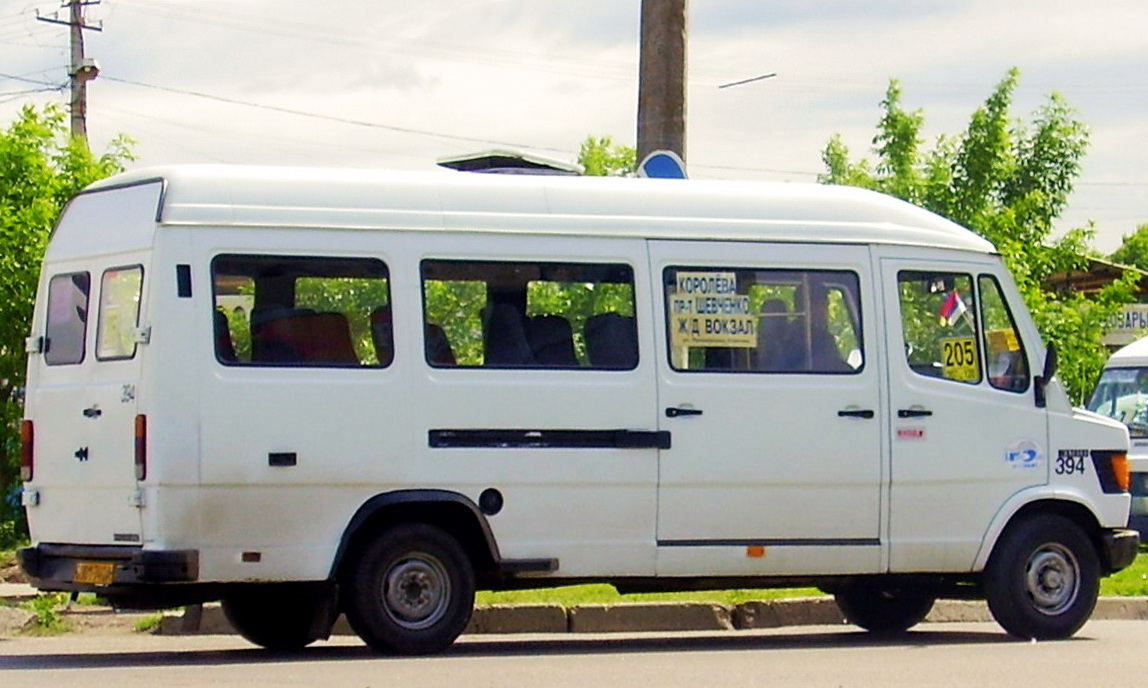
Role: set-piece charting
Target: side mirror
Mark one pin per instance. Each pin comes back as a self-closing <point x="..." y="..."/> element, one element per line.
<point x="1040" y="384"/>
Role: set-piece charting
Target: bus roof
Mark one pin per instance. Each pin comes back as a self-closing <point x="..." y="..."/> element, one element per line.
<point x="1134" y="354"/>
<point x="307" y="198"/>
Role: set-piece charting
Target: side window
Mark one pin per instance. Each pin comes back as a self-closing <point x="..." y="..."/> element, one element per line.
<point x="763" y="321"/>
<point x="301" y="311"/>
<point x="529" y="315"/>
<point x="1005" y="361"/>
<point x="119" y="313"/>
<point x="67" y="325"/>
<point x="939" y="325"/>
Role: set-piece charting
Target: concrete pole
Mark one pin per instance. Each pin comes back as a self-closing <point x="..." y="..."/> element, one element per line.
<point x="79" y="104"/>
<point x="81" y="70"/>
<point x="662" y="78"/>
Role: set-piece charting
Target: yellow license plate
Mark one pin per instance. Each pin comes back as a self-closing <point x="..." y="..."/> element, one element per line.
<point x="94" y="572"/>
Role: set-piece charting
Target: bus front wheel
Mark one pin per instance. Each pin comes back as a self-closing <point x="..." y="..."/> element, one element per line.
<point x="1043" y="578"/>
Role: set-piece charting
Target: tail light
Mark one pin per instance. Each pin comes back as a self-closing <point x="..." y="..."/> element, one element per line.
<point x="141" y="447"/>
<point x="27" y="440"/>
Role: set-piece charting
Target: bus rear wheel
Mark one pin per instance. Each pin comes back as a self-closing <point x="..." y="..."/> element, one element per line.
<point x="882" y="606"/>
<point x="411" y="591"/>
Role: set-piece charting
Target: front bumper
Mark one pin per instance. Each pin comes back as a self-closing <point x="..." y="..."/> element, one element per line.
<point x="1120" y="548"/>
<point x="1139" y="522"/>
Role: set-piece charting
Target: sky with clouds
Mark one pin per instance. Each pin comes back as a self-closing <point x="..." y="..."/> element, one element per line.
<point x="399" y="84"/>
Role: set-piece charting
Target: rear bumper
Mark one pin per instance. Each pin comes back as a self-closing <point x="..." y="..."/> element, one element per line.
<point x="53" y="567"/>
<point x="1120" y="548"/>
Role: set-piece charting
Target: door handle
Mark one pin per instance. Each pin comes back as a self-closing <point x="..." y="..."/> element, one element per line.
<point x="913" y="413"/>
<point x="856" y="413"/>
<point x="93" y="412"/>
<point x="674" y="412"/>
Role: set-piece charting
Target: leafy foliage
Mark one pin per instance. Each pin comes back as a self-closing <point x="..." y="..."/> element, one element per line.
<point x="1008" y="181"/>
<point x="1133" y="249"/>
<point x="40" y="169"/>
<point x="47" y="619"/>
<point x="601" y="157"/>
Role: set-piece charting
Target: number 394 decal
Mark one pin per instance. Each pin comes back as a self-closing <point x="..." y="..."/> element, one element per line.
<point x="1071" y="461"/>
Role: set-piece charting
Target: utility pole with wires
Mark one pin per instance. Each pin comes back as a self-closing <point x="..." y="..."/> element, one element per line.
<point x="82" y="69"/>
<point x="662" y="78"/>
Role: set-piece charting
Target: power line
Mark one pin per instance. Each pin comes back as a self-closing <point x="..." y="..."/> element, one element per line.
<point x="450" y="52"/>
<point x="25" y="79"/>
<point x="10" y="96"/>
<point x="333" y="118"/>
<point x="472" y="139"/>
<point x="749" y="81"/>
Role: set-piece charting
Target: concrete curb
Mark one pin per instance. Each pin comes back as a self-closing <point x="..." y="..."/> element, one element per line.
<point x="614" y="618"/>
<point x="660" y="616"/>
<point x="13" y="593"/>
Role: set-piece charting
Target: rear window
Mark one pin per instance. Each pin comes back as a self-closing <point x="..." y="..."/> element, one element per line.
<point x="67" y="325"/>
<point x="119" y="313"/>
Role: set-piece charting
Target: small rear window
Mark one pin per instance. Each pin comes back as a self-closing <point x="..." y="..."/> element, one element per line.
<point x="119" y="313"/>
<point x="67" y="325"/>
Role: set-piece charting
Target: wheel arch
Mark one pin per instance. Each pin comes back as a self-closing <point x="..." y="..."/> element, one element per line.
<point x="452" y="512"/>
<point x="1066" y="505"/>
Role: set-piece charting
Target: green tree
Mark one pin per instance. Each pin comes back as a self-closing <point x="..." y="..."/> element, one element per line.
<point x="1008" y="181"/>
<point x="601" y="157"/>
<point x="1133" y="249"/>
<point x="41" y="167"/>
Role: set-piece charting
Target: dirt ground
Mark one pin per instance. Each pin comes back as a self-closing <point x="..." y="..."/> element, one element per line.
<point x="11" y="573"/>
<point x="79" y="618"/>
<point x="96" y="619"/>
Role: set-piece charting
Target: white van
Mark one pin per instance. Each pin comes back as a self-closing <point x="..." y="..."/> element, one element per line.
<point x="1122" y="393"/>
<point x="306" y="392"/>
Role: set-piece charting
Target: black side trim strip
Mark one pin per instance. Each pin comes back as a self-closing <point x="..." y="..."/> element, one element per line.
<point x="776" y="542"/>
<point x="528" y="565"/>
<point x="549" y="439"/>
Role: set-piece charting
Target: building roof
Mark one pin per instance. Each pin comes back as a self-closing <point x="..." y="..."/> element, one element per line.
<point x="1099" y="274"/>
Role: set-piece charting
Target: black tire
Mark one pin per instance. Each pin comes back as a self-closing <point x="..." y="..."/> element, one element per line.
<point x="411" y="590"/>
<point x="1043" y="578"/>
<point x="883" y="606"/>
<point x="283" y="617"/>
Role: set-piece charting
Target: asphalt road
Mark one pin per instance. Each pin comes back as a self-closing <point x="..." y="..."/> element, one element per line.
<point x="1104" y="653"/>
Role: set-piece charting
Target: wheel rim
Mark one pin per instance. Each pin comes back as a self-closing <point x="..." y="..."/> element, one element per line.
<point x="1052" y="579"/>
<point x="416" y="591"/>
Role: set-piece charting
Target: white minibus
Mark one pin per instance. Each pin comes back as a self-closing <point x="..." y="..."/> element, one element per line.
<point x="1122" y="393"/>
<point x="309" y="392"/>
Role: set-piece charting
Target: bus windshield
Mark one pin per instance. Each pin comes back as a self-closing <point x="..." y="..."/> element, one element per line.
<point x="1122" y="393"/>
